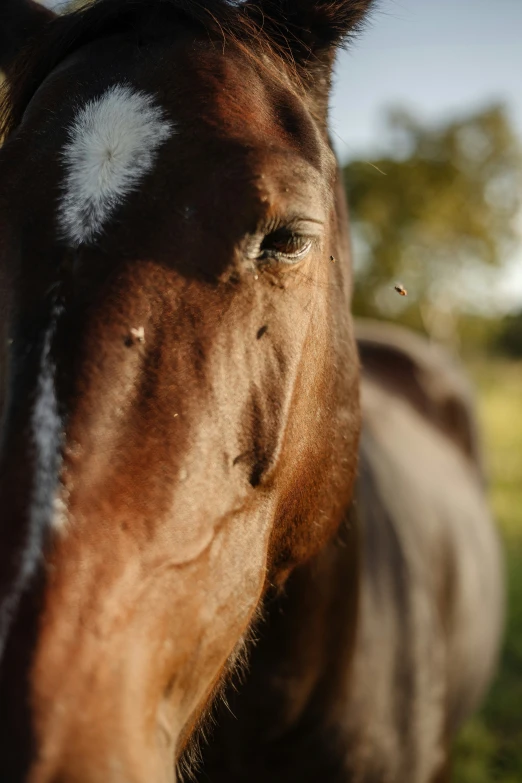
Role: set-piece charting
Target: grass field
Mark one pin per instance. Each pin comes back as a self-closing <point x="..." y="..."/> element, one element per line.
<point x="490" y="747"/>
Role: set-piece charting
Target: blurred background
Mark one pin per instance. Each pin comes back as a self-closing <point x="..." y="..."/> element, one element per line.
<point x="427" y="121"/>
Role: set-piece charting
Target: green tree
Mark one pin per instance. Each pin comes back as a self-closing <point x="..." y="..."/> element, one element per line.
<point x="438" y="214"/>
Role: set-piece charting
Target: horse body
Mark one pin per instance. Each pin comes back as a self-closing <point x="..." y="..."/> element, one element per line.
<point x="181" y="411"/>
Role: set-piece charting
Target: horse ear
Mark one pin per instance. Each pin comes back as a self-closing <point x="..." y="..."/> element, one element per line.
<point x="310" y="31"/>
<point x="20" y="20"/>
<point x="315" y="26"/>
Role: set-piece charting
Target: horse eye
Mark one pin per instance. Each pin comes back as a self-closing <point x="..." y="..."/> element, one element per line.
<point x="284" y="246"/>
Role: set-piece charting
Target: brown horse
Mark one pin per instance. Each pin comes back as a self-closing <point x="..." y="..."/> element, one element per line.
<point x="181" y="420"/>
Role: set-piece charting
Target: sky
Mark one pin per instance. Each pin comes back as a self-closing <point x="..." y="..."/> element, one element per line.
<point x="438" y="58"/>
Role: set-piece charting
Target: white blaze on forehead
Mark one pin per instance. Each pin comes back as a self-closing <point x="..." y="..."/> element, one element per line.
<point x="112" y="145"/>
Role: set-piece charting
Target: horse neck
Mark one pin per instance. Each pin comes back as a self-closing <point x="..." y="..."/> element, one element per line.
<point x="298" y="676"/>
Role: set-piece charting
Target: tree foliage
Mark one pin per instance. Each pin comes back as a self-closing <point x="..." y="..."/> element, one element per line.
<point x="436" y="214"/>
<point x="509" y="338"/>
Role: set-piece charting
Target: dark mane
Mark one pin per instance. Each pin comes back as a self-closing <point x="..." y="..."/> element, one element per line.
<point x="63" y="35"/>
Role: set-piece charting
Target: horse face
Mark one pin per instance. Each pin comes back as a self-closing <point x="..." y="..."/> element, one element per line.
<point x="182" y="413"/>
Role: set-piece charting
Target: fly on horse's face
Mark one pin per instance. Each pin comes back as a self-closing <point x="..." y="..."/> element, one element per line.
<point x="181" y="409"/>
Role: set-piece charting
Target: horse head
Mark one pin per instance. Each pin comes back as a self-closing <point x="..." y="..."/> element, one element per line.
<point x="180" y="397"/>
